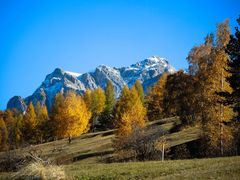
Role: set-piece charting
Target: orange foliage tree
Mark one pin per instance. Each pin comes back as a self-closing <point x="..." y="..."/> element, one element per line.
<point x="155" y="99"/>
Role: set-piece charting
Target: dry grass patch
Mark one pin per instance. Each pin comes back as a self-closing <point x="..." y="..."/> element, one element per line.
<point x="38" y="170"/>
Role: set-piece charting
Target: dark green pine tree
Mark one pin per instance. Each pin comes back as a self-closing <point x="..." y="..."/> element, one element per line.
<point x="233" y="98"/>
<point x="233" y="50"/>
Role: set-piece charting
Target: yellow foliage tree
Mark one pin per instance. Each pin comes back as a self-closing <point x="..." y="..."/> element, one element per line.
<point x="130" y="112"/>
<point x="87" y="97"/>
<point x="208" y="63"/>
<point x="18" y="129"/>
<point x="71" y="116"/>
<point x="96" y="101"/>
<point x="155" y="99"/>
<point x="3" y="134"/>
<point x="41" y="120"/>
<point x="29" y="124"/>
<point x="140" y="90"/>
<point x="123" y="104"/>
<point x="9" y="122"/>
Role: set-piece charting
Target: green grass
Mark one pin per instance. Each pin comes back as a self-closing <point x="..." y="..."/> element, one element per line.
<point x="92" y="147"/>
<point x="184" y="136"/>
<point x="87" y="151"/>
<point x="215" y="168"/>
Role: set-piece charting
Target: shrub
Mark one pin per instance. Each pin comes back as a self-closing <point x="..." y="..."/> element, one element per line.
<point x="139" y="146"/>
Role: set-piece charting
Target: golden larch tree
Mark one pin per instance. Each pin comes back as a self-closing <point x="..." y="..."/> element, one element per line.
<point x="10" y="125"/>
<point x="98" y="100"/>
<point x="155" y="99"/>
<point x="41" y="120"/>
<point x="3" y="134"/>
<point x="72" y="117"/>
<point x="87" y="97"/>
<point x="18" y="126"/>
<point x="29" y="124"/>
<point x="140" y="90"/>
<point x="208" y="63"/>
<point x="131" y="112"/>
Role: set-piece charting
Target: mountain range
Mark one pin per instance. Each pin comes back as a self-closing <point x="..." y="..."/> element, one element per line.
<point x="147" y="71"/>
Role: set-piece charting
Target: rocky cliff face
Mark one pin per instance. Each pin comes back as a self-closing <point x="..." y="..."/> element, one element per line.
<point x="147" y="71"/>
<point x="18" y="103"/>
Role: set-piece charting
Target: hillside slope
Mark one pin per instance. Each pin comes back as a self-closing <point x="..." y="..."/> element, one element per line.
<point x="214" y="168"/>
<point x="92" y="147"/>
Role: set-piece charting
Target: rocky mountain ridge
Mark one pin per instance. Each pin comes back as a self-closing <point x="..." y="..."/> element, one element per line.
<point x="147" y="71"/>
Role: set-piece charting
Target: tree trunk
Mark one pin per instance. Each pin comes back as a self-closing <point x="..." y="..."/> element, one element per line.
<point x="69" y="139"/>
<point x="221" y="115"/>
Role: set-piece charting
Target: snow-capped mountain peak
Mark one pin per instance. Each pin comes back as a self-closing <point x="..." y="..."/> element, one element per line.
<point x="152" y="61"/>
<point x="147" y="71"/>
<point x="73" y="73"/>
<point x="156" y="59"/>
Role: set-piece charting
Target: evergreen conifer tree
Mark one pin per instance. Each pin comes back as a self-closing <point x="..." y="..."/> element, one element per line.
<point x="233" y="97"/>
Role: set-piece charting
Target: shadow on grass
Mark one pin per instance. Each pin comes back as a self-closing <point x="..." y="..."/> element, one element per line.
<point x="93" y="154"/>
<point x="102" y="134"/>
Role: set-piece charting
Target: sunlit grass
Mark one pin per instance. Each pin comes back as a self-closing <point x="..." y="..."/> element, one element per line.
<point x="215" y="168"/>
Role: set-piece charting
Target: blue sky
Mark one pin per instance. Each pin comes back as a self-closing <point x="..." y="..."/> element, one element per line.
<point x="78" y="35"/>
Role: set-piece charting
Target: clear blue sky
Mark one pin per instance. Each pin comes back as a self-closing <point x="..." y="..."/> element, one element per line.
<point x="77" y="35"/>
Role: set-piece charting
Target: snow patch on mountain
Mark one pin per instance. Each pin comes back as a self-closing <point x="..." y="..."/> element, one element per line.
<point x="147" y="71"/>
<point x="73" y="73"/>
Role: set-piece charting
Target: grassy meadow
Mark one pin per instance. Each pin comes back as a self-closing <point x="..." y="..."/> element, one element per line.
<point x="83" y="158"/>
<point x="214" y="168"/>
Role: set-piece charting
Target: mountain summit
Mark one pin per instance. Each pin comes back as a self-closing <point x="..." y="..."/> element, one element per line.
<point x="147" y="71"/>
